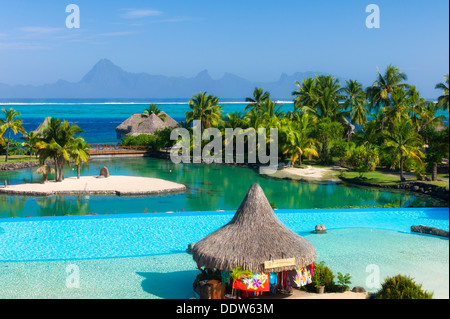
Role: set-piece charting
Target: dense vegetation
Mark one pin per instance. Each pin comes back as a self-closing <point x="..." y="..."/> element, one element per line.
<point x="402" y="287"/>
<point x="387" y="124"/>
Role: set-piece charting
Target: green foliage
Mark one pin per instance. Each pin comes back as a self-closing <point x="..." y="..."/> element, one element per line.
<point x="140" y="140"/>
<point x="343" y="282"/>
<point x="323" y="276"/>
<point x="402" y="287"/>
<point x="161" y="139"/>
<point x="362" y="158"/>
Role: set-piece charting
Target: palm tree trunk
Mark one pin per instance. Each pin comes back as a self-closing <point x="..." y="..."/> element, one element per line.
<point x="78" y="170"/>
<point x="56" y="169"/>
<point x="434" y="172"/>
<point x="61" y="173"/>
<point x="299" y="160"/>
<point x="402" y="178"/>
<point x="7" y="146"/>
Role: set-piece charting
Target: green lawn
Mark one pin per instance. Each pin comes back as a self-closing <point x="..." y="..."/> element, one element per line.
<point x="17" y="158"/>
<point x="385" y="178"/>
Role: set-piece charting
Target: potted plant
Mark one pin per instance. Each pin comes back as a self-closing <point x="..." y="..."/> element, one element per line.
<point x="237" y="273"/>
<point x="320" y="287"/>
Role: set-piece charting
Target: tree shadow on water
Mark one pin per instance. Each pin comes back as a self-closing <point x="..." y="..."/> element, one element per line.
<point x="170" y="285"/>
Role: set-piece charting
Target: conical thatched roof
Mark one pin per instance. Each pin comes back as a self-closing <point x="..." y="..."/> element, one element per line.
<point x="138" y="124"/>
<point x="253" y="236"/>
<point x="42" y="125"/>
<point x="150" y="125"/>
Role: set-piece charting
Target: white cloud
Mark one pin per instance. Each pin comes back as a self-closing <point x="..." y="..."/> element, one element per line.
<point x="140" y="13"/>
<point x="40" y="30"/>
<point x="115" y="34"/>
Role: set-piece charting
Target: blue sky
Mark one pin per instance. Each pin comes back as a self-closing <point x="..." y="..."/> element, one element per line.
<point x="257" y="40"/>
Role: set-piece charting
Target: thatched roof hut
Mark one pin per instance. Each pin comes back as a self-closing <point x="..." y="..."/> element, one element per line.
<point x="42" y="125"/>
<point x="252" y="237"/>
<point x="138" y="124"/>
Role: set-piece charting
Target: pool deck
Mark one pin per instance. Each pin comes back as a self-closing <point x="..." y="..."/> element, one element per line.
<point x="95" y="185"/>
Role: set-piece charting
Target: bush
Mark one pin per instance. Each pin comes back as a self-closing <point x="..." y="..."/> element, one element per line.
<point x="140" y="140"/>
<point x="343" y="282"/>
<point x="402" y="287"/>
<point x="323" y="276"/>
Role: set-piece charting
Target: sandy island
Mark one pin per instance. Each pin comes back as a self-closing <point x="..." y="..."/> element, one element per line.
<point x="94" y="185"/>
<point x="309" y="173"/>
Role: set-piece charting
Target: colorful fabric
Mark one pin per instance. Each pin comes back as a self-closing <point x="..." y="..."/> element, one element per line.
<point x="300" y="277"/>
<point x="273" y="278"/>
<point x="225" y="276"/>
<point x="257" y="282"/>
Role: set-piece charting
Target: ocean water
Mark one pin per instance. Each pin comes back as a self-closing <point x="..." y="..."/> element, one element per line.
<point x="99" y="119"/>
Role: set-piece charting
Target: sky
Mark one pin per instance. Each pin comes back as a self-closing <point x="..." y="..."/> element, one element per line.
<point x="255" y="39"/>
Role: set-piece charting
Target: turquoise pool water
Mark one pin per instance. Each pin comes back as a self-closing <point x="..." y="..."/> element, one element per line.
<point x="143" y="255"/>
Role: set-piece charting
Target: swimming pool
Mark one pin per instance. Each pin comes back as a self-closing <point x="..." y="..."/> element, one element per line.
<point x="152" y="246"/>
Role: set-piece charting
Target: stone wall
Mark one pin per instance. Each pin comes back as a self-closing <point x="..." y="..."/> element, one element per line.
<point x="418" y="187"/>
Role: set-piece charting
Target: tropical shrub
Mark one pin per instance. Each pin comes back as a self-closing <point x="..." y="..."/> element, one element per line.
<point x="344" y="282"/>
<point x="402" y="287"/>
<point x="323" y="276"/>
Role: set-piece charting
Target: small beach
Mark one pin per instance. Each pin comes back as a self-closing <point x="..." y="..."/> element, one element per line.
<point x="94" y="185"/>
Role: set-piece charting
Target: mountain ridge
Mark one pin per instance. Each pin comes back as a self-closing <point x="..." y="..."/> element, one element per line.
<point x="106" y="80"/>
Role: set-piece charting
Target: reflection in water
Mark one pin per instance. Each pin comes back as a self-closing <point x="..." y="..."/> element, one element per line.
<point x="209" y="188"/>
<point x="59" y="206"/>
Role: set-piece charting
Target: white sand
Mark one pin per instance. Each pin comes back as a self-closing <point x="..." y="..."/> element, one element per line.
<point x="93" y="185"/>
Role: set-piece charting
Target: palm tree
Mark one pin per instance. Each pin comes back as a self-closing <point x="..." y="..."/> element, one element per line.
<point x="355" y="102"/>
<point x="415" y="105"/>
<point x="2" y="133"/>
<point x="259" y="96"/>
<point x="234" y="120"/>
<point x="298" y="141"/>
<point x="304" y="94"/>
<point x="31" y="141"/>
<point x="443" y="99"/>
<point x="57" y="141"/>
<point x="79" y="152"/>
<point x="206" y="109"/>
<point x="403" y="142"/>
<point x="323" y="98"/>
<point x="11" y="123"/>
<point x="154" y="109"/>
<point x="380" y="92"/>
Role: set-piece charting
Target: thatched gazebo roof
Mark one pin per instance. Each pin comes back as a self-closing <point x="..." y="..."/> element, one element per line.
<point x="138" y="124"/>
<point x="42" y="125"/>
<point x="252" y="237"/>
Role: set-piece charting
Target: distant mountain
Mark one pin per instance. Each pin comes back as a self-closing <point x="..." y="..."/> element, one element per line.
<point x="108" y="81"/>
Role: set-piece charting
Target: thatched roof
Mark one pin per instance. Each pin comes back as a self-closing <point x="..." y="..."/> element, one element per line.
<point x="42" y="125"/>
<point x="138" y="124"/>
<point x="253" y="236"/>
